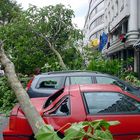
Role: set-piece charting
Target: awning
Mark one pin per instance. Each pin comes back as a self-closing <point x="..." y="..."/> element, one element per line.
<point x="118" y="24"/>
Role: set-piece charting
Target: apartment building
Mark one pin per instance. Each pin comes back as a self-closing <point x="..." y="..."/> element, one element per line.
<point x="120" y="19"/>
<point x="94" y="23"/>
<point x="122" y="23"/>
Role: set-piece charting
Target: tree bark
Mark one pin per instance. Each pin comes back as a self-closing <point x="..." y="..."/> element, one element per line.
<point x="61" y="62"/>
<point x="34" y="118"/>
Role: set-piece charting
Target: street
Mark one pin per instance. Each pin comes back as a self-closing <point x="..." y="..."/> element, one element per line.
<point x="3" y="123"/>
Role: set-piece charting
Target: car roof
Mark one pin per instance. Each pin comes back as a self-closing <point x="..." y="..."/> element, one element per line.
<point x="100" y="88"/>
<point x="95" y="87"/>
<point x="71" y="73"/>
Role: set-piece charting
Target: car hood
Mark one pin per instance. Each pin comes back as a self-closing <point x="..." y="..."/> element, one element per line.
<point x="36" y="102"/>
<point x="39" y="102"/>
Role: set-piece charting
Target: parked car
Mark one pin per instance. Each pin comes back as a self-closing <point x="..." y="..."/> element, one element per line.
<point x="79" y="103"/>
<point x="45" y="84"/>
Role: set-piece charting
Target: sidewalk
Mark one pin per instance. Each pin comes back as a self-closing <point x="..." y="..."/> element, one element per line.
<point x="3" y="124"/>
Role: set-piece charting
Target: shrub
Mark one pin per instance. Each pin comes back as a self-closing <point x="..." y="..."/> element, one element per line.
<point x="130" y="78"/>
<point x="106" y="66"/>
<point x="7" y="96"/>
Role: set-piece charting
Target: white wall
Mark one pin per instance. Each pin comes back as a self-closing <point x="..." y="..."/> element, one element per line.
<point x="139" y="14"/>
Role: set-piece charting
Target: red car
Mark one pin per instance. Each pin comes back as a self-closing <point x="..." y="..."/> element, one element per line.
<point x="79" y="103"/>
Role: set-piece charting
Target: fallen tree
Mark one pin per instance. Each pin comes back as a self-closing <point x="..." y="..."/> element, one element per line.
<point x="34" y="118"/>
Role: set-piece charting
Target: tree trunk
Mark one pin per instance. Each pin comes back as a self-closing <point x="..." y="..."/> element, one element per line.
<point x="34" y="118"/>
<point x="61" y="62"/>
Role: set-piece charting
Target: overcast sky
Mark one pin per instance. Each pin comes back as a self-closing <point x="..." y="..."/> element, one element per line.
<point x="80" y="7"/>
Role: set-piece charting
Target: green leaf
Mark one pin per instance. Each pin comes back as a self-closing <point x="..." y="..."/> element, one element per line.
<point x="47" y="132"/>
<point x="76" y="131"/>
<point x="103" y="135"/>
<point x="98" y="124"/>
<point x="113" y="123"/>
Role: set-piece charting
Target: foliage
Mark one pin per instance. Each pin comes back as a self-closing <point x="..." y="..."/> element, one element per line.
<point x="105" y="65"/>
<point x="55" y="24"/>
<point x="8" y="11"/>
<point x="7" y="97"/>
<point x="128" y="74"/>
<point x="120" y="68"/>
<point x="130" y="78"/>
<point x="24" y="45"/>
<point x="24" y="79"/>
<point x="53" y="21"/>
<point x="22" y="36"/>
<point x="73" y="58"/>
<point x="95" y="130"/>
<point x="51" y="67"/>
<point x="89" y="53"/>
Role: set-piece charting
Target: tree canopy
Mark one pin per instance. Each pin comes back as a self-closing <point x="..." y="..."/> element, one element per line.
<point x="40" y="35"/>
<point x="8" y="11"/>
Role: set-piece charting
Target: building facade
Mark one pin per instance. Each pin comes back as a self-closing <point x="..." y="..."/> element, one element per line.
<point x="94" y="23"/>
<point x="122" y="23"/>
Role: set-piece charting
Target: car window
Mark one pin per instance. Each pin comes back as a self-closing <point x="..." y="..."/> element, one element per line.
<point x="110" y="103"/>
<point x="81" y="80"/>
<point x="104" y="80"/>
<point x="53" y="97"/>
<point x="50" y="82"/>
<point x="63" y="109"/>
<point x="108" y="80"/>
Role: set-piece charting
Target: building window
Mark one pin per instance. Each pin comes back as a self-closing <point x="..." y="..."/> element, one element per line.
<point x="97" y="22"/>
<point x="117" y="5"/>
<point x="122" y="5"/>
<point x="125" y="27"/>
<point x="113" y="12"/>
<point x="93" y="13"/>
<point x="109" y="14"/>
<point x="100" y="7"/>
<point x="97" y="9"/>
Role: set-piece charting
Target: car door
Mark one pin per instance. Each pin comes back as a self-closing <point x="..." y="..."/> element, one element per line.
<point x="112" y="106"/>
<point x="65" y="112"/>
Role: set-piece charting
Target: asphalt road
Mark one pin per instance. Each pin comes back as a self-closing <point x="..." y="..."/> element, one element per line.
<point x="3" y="124"/>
